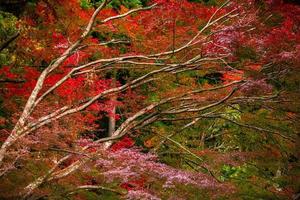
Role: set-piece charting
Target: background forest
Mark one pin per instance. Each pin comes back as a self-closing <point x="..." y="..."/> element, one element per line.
<point x="149" y="99"/>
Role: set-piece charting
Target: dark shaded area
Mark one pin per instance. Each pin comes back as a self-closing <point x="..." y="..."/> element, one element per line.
<point x="15" y="7"/>
<point x="8" y="41"/>
<point x="8" y="80"/>
<point x="211" y="78"/>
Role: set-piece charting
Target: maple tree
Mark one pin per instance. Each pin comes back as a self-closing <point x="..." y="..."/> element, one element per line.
<point x="86" y="74"/>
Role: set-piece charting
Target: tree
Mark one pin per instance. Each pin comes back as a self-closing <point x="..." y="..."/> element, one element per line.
<point x="71" y="85"/>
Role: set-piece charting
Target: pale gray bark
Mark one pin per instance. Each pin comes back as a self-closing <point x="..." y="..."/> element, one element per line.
<point x="112" y="120"/>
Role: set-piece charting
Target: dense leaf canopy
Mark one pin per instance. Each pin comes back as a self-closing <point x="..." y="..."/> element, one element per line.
<point x="149" y="99"/>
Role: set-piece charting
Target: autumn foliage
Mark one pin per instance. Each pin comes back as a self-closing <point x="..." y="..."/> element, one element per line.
<point x="150" y="99"/>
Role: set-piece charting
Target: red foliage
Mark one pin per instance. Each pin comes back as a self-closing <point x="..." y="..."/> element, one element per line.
<point x="5" y="72"/>
<point x="69" y="89"/>
<point x="30" y="76"/>
<point x="126" y="142"/>
<point x="135" y="184"/>
<point x="254" y="67"/>
<point x="45" y="13"/>
<point x="230" y="76"/>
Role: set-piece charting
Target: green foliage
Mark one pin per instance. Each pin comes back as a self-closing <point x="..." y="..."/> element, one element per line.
<point x="7" y="30"/>
<point x="243" y="177"/>
<point x="115" y="4"/>
<point x="245" y="53"/>
<point x="210" y="78"/>
<point x="274" y="20"/>
<point x="85" y="4"/>
<point x="154" y="97"/>
<point x="95" y="195"/>
<point x="207" y="2"/>
<point x="228" y="172"/>
<point x="7" y="24"/>
<point x="220" y="127"/>
<point x="187" y="192"/>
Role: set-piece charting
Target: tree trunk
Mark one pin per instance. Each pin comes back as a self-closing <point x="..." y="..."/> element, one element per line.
<point x="112" y="120"/>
